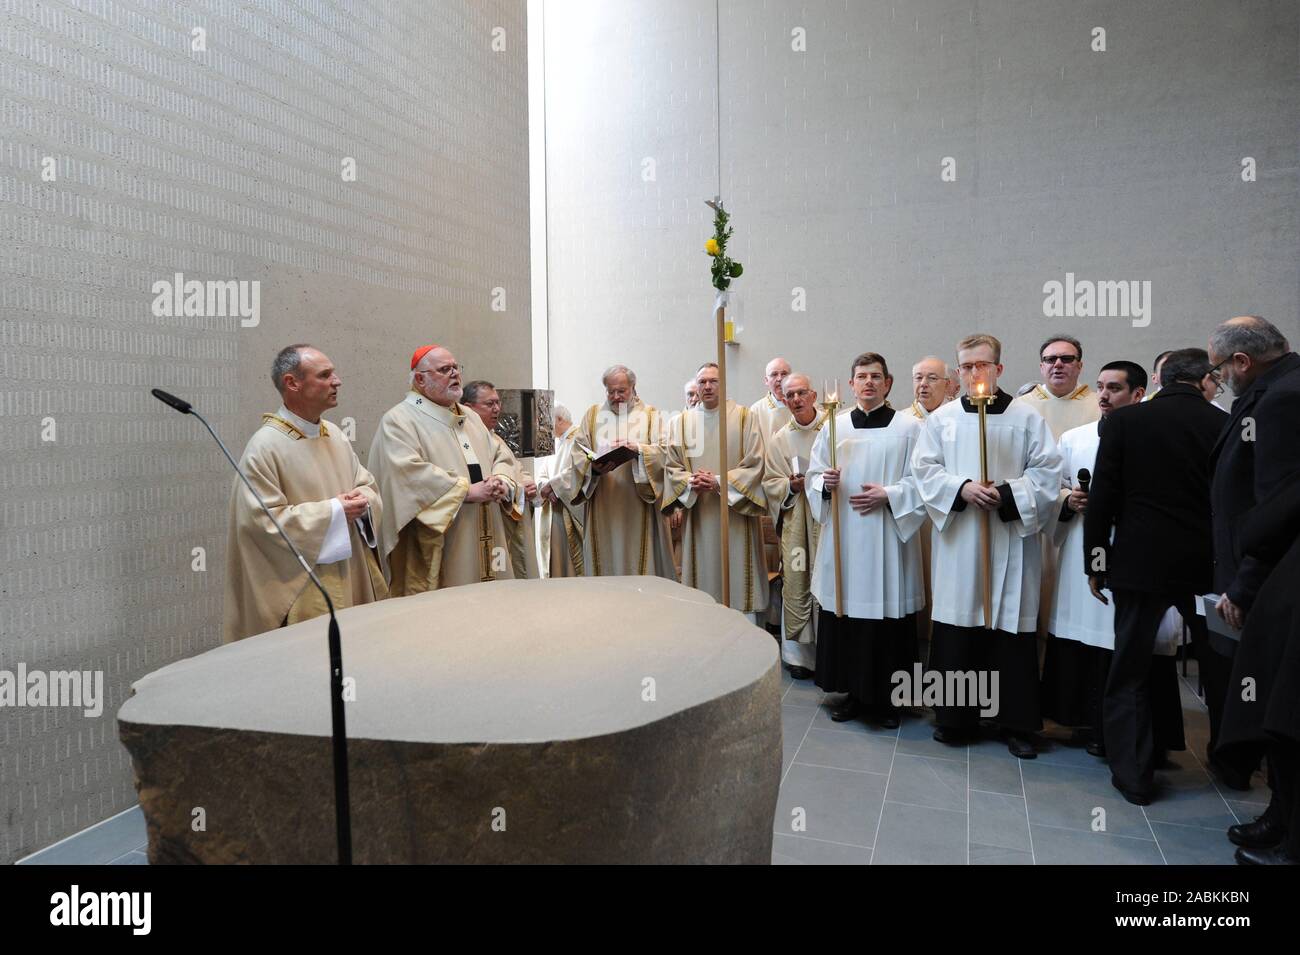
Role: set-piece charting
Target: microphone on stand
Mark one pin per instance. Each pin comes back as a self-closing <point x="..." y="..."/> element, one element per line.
<point x="1085" y="478"/>
<point x="339" y="733"/>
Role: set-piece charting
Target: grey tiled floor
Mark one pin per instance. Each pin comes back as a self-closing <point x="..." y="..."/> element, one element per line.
<point x="120" y="840"/>
<point x="866" y="795"/>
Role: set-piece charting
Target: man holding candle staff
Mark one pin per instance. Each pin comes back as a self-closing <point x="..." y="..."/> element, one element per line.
<point x="990" y="483"/>
<point x="867" y="632"/>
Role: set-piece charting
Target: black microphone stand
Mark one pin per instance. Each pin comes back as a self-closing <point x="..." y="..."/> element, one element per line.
<point x="342" y="807"/>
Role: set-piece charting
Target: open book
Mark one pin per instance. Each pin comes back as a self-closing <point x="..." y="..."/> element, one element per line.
<point x="609" y="458"/>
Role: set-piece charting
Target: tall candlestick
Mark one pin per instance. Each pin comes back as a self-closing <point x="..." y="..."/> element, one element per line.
<point x="831" y="402"/>
<point x="981" y="400"/>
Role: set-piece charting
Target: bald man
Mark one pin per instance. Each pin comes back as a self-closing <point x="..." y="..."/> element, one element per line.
<point x="770" y="410"/>
<point x="929" y="386"/>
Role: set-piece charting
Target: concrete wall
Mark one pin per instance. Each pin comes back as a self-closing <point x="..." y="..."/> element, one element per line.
<point x="221" y="163"/>
<point x="1122" y="164"/>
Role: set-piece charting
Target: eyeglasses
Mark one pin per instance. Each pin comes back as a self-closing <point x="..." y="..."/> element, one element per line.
<point x="797" y="393"/>
<point x="1063" y="359"/>
<point x="1217" y="377"/>
<point x="932" y="379"/>
<point x="446" y="370"/>
<point x="974" y="366"/>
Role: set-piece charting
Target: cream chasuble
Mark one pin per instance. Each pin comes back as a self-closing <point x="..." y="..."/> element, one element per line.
<point x="792" y="446"/>
<point x="519" y="524"/>
<point x="772" y="415"/>
<point x="917" y="411"/>
<point x="298" y="476"/>
<point x="560" y="525"/>
<point x="693" y="446"/>
<point x="879" y="553"/>
<point x="1023" y="456"/>
<point x="623" y="531"/>
<point x="430" y="538"/>
<point x="1061" y="414"/>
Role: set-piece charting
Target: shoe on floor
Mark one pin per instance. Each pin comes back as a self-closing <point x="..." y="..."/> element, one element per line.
<point x="845" y="711"/>
<point x="1021" y="747"/>
<point x="1096" y="748"/>
<point x="1277" y="856"/>
<point x="1137" y="799"/>
<point x="1263" y="833"/>
<point x="800" y="673"/>
<point x="887" y="719"/>
<point x="949" y="736"/>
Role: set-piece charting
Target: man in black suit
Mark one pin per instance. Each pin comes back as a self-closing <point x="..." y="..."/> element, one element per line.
<point x="1151" y="483"/>
<point x="1257" y="453"/>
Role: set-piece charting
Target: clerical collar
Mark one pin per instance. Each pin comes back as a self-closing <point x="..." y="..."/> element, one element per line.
<point x="308" y="429"/>
<point x="879" y="417"/>
<point x="453" y="416"/>
<point x="816" y="420"/>
<point x="1077" y="393"/>
<point x="1001" y="401"/>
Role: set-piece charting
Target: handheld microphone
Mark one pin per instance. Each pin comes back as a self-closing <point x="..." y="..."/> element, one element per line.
<point x="1085" y="478"/>
<point x="338" y="725"/>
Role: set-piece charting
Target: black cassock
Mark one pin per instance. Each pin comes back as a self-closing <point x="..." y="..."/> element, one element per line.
<point x="857" y="655"/>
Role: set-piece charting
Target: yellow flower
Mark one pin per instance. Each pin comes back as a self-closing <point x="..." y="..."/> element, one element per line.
<point x="711" y="247"/>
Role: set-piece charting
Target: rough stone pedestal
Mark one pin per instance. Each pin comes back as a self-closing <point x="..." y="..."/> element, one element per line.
<point x="615" y="719"/>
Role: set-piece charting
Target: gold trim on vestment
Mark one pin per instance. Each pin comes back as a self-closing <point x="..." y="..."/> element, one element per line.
<point x="289" y="428"/>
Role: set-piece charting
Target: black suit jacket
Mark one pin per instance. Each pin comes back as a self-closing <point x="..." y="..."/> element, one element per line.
<point x="1151" y="483"/>
<point x="1258" y="452"/>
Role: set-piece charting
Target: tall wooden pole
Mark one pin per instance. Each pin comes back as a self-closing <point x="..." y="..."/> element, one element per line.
<point x="723" y="486"/>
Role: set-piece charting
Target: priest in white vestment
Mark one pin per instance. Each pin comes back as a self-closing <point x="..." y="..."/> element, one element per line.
<point x="1081" y="639"/>
<point x="445" y="482"/>
<point x="560" y="525"/>
<point x="1021" y="501"/>
<point x="771" y="410"/>
<point x="691" y="393"/>
<point x="789" y="454"/>
<point x="624" y="533"/>
<point x="880" y="512"/>
<point x="694" y="479"/>
<point x="305" y="471"/>
<point x="930" y="383"/>
<point x="520" y="525"/>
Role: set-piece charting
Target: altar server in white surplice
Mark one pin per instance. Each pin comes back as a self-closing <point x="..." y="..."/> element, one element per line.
<point x="1021" y="500"/>
<point x="880" y="512"/>
<point x="1081" y="628"/>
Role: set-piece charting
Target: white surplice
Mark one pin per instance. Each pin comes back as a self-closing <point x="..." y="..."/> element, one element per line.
<point x="1076" y="613"/>
<point x="879" y="552"/>
<point x="1021" y="454"/>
